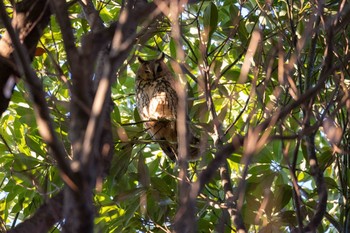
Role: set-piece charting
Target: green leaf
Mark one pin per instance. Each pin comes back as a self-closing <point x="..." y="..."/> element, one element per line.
<point x="35" y="143"/>
<point x="326" y="158"/>
<point x="331" y="183"/>
<point x="116" y="115"/>
<point x="232" y="74"/>
<point x="143" y="172"/>
<point x="121" y="162"/>
<point x="18" y="206"/>
<point x="162" y="186"/>
<point x="282" y="197"/>
<point x="137" y="117"/>
<point x="172" y="47"/>
<point x="210" y="19"/>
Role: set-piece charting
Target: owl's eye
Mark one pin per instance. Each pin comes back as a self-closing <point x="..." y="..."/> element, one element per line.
<point x="158" y="68"/>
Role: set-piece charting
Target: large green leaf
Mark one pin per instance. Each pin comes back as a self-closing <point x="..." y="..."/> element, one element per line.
<point x="210" y="20"/>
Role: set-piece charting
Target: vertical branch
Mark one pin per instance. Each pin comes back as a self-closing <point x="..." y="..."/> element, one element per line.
<point x="60" y="8"/>
<point x="185" y="217"/>
<point x="80" y="68"/>
<point x="105" y="145"/>
<point x="296" y="189"/>
<point x="219" y="136"/>
<point x="78" y="201"/>
<point x="230" y="202"/>
<point x="315" y="170"/>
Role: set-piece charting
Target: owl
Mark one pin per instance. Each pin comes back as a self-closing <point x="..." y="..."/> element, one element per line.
<point x="156" y="101"/>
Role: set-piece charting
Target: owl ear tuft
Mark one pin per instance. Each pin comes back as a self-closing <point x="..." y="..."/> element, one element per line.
<point x="141" y="60"/>
<point x="161" y="57"/>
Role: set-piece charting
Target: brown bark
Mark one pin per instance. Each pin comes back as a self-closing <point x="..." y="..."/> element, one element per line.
<point x="44" y="218"/>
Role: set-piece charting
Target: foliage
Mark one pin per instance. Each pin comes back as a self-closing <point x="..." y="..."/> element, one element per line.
<point x="284" y="45"/>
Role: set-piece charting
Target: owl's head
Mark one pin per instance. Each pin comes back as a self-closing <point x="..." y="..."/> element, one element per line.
<point x="152" y="69"/>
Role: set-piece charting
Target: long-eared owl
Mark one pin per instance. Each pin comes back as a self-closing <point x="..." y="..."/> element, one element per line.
<point x="156" y="101"/>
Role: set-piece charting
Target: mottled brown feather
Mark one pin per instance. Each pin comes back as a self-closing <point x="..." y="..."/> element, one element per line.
<point x="156" y="101"/>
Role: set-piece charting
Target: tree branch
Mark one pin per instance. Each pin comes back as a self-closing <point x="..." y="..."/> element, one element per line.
<point x="315" y="170"/>
<point x="92" y="15"/>
<point x="60" y="8"/>
<point x="44" y="218"/>
<point x="43" y="119"/>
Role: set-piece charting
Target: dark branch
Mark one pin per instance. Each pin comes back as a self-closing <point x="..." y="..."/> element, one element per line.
<point x="60" y="8"/>
<point x="44" y="218"/>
